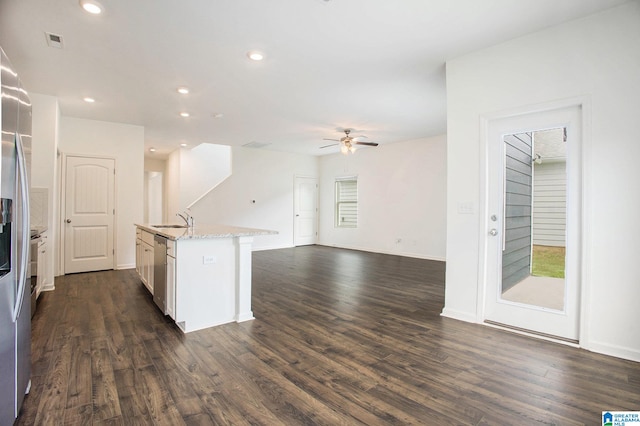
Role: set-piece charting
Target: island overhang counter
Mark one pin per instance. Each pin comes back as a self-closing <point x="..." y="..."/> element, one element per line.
<point x="208" y="272"/>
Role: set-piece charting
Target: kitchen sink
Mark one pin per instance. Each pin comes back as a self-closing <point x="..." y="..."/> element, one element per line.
<point x="169" y="226"/>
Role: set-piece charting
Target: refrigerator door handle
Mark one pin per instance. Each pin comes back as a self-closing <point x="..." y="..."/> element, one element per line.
<point x="22" y="280"/>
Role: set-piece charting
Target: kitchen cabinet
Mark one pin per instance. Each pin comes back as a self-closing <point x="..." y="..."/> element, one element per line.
<point x="139" y="251"/>
<point x="144" y="263"/>
<point x="42" y="263"/>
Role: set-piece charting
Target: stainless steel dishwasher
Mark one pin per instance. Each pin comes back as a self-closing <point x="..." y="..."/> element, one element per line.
<point x="160" y="272"/>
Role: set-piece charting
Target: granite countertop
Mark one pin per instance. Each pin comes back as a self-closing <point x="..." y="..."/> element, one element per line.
<point x="37" y="230"/>
<point x="205" y="231"/>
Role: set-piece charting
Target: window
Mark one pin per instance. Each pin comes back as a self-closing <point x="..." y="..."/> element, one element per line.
<point x="347" y="202"/>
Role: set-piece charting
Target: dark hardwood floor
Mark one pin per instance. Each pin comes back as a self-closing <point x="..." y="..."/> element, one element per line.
<point x="340" y="337"/>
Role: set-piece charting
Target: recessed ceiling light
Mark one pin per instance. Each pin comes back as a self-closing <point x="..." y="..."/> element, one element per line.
<point x="152" y="150"/>
<point x="91" y="6"/>
<point x="254" y="55"/>
<point x="218" y="115"/>
<point x="184" y="144"/>
<point x="183" y="90"/>
<point x="88" y="99"/>
<point x="184" y="114"/>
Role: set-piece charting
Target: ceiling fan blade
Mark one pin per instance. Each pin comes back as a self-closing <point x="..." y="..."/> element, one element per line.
<point x="360" y="137"/>
<point x="327" y="146"/>
<point x="366" y="143"/>
<point x="327" y="139"/>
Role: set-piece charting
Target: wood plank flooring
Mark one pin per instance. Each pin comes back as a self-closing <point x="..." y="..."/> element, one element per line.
<point x="340" y="337"/>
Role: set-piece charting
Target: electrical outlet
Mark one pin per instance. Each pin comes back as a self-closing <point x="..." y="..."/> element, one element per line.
<point x="208" y="260"/>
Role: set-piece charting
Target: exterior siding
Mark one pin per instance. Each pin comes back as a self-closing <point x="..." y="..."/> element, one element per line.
<point x="549" y="204"/>
<point x="516" y="256"/>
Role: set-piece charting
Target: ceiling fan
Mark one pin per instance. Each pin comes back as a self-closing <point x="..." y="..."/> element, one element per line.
<point x="347" y="143"/>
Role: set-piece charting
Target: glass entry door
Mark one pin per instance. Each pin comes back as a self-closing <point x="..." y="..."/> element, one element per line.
<point x="533" y="223"/>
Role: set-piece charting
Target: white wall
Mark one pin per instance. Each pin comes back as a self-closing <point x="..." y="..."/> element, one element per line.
<point x="401" y="196"/>
<point x="154" y="165"/>
<point x="45" y="125"/>
<point x="125" y="143"/>
<point x="172" y="186"/>
<point x="266" y="177"/>
<point x="192" y="173"/>
<point x="597" y="57"/>
<point x="202" y="169"/>
<point x="154" y="192"/>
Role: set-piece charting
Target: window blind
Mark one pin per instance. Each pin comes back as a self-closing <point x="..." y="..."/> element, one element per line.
<point x="347" y="202"/>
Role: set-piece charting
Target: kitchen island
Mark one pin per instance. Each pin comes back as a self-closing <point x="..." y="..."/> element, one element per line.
<point x="208" y="272"/>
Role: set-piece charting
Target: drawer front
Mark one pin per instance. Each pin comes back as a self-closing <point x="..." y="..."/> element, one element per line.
<point x="147" y="237"/>
<point x="171" y="248"/>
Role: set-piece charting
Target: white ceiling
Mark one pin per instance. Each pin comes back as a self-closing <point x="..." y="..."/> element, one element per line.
<point x="377" y="66"/>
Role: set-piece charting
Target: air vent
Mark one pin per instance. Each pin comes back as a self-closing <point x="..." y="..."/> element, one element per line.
<point x="54" y="40"/>
<point x="255" y="144"/>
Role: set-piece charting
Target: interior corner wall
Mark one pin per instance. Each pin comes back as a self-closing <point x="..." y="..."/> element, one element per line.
<point x="263" y="176"/>
<point x="401" y="198"/>
<point x="596" y="58"/>
<point x="45" y="126"/>
<point x="125" y="143"/>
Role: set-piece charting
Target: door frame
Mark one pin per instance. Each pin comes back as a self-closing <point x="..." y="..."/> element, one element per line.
<point x="583" y="294"/>
<point x="63" y="206"/>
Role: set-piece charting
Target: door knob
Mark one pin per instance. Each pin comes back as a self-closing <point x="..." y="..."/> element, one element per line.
<point x="68" y="220"/>
<point x="493" y="232"/>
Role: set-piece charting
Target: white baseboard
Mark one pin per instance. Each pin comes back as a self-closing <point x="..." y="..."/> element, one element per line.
<point x="613" y="350"/>
<point x="392" y="253"/>
<point x="48" y="287"/>
<point x="126" y="266"/>
<point x="277" y="247"/>
<point x="247" y="316"/>
<point x="458" y="315"/>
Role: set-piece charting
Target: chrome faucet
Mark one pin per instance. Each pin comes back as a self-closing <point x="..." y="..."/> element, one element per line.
<point x="188" y="219"/>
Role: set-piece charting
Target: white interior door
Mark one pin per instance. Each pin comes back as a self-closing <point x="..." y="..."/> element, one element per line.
<point x="306" y="211"/>
<point x="89" y="214"/>
<point x="544" y="305"/>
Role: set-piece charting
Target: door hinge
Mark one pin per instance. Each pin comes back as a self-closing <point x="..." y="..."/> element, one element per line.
<point x="114" y="211"/>
<point x="113" y="251"/>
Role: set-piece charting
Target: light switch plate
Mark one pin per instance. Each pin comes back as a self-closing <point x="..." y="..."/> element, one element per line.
<point x="465" y="207"/>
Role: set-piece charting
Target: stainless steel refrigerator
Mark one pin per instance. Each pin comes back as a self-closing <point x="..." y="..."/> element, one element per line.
<point x="15" y="303"/>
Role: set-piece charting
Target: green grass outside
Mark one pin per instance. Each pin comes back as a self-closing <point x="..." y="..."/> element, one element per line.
<point x="548" y="261"/>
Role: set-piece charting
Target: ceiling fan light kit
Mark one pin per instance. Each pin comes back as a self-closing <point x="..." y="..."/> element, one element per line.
<point x="347" y="143"/>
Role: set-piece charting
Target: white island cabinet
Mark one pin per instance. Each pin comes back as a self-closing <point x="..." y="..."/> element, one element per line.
<point x="144" y="257"/>
<point x="208" y="276"/>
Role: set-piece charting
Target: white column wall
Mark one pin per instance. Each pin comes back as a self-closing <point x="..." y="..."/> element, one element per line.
<point x="596" y="58"/>
<point x="46" y="121"/>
